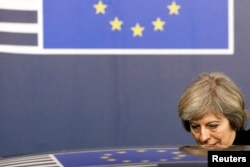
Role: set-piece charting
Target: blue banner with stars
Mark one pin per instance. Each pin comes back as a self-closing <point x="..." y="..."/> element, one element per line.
<point x="131" y="26"/>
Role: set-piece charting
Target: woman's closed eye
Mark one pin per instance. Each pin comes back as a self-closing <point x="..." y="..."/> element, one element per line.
<point x="194" y="127"/>
<point x="213" y="126"/>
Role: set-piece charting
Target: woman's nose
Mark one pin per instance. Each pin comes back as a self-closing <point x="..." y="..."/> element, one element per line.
<point x="204" y="135"/>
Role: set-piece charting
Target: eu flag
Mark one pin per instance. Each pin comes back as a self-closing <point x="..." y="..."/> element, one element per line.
<point x="135" y="26"/>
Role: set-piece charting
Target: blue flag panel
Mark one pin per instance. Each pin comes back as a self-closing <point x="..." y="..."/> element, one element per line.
<point x="135" y="24"/>
<point x="117" y="27"/>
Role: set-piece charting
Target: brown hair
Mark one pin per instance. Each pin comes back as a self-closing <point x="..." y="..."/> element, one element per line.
<point x="214" y="92"/>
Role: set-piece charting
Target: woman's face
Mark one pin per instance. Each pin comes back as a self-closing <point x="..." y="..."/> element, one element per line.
<point x="210" y="131"/>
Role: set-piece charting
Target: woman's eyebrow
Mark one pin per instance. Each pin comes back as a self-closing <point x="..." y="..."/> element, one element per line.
<point x="211" y="122"/>
<point x="214" y="121"/>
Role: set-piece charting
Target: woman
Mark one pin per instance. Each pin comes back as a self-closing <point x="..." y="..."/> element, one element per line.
<point x="212" y="108"/>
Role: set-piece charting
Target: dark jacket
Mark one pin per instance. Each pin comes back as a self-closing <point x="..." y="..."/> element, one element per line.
<point x="242" y="137"/>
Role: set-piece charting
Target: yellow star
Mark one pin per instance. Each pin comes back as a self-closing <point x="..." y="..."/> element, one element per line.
<point x="137" y="30"/>
<point x="158" y="24"/>
<point x="174" y="8"/>
<point x="100" y="7"/>
<point x="116" y="24"/>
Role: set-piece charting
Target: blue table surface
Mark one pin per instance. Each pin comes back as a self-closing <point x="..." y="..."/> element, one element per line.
<point x="171" y="156"/>
<point x="114" y="157"/>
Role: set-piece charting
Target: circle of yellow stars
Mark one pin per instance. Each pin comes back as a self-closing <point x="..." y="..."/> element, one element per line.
<point x="177" y="155"/>
<point x="116" y="23"/>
